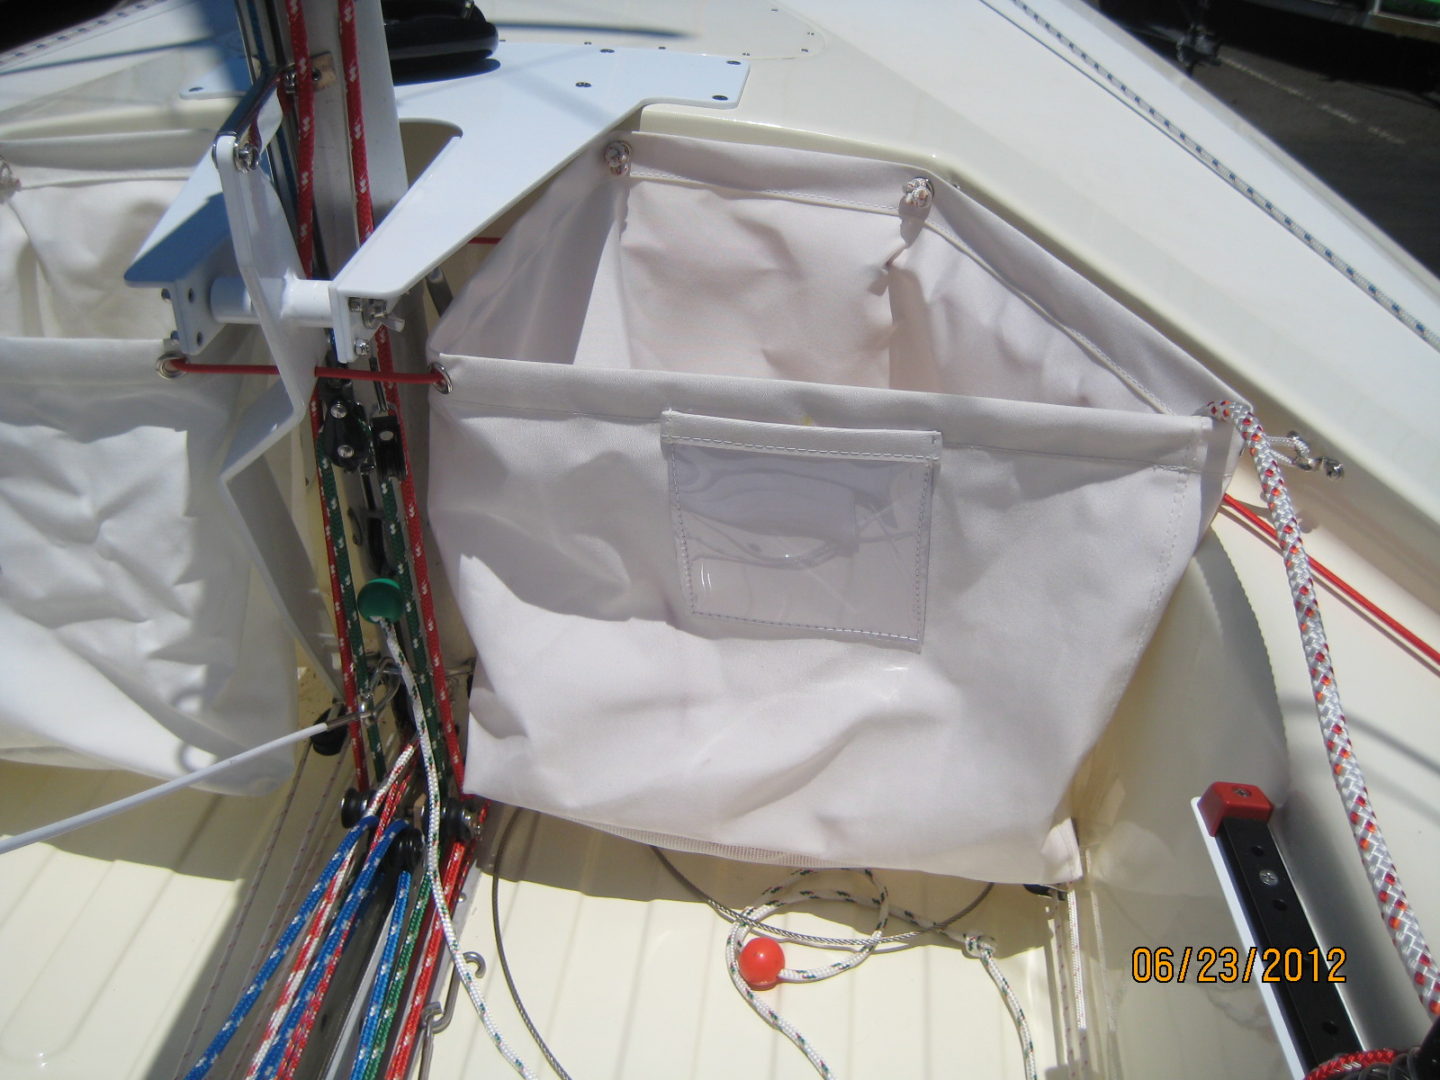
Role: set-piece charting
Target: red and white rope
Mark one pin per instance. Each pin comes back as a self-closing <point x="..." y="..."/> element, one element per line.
<point x="305" y="136"/>
<point x="305" y="247"/>
<point x="1400" y="920"/>
<point x="398" y="1067"/>
<point x="380" y="803"/>
<point x="414" y="526"/>
<point x="432" y="867"/>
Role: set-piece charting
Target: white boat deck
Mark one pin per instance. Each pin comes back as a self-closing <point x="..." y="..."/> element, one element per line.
<point x="621" y="969"/>
<point x="111" y="938"/>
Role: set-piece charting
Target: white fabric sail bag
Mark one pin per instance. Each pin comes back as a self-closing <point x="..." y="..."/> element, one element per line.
<point x="802" y="510"/>
<point x="135" y="632"/>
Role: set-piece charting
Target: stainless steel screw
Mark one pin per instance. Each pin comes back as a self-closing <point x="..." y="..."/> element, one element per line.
<point x="247" y="156"/>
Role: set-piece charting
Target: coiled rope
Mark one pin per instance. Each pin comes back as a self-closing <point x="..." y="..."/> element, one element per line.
<point x="786" y="893"/>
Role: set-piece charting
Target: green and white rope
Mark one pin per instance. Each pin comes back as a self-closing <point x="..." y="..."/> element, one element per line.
<point x="397" y="548"/>
<point x="432" y="866"/>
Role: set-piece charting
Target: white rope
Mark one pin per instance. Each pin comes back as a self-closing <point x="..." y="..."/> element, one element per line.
<point x="982" y="948"/>
<point x="1077" y="979"/>
<point x="749" y="921"/>
<point x="432" y="863"/>
<point x="140" y="798"/>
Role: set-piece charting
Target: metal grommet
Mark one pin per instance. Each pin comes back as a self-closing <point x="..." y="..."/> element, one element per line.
<point x="918" y="193"/>
<point x="163" y="366"/>
<point x="617" y="157"/>
<point x="444" y="385"/>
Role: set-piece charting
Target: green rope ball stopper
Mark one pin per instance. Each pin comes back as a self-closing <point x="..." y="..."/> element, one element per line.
<point x="381" y="601"/>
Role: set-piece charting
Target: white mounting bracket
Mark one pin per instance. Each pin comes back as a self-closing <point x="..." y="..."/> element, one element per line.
<point x="533" y="109"/>
<point x="515" y="125"/>
<point x="536" y="107"/>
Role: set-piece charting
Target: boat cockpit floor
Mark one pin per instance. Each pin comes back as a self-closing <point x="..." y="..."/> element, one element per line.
<point x="115" y="937"/>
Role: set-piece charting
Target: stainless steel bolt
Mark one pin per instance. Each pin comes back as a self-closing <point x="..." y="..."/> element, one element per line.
<point x="247" y="156"/>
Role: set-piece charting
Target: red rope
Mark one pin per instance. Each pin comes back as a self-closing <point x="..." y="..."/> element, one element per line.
<point x="305" y="131"/>
<point x="309" y="946"/>
<point x="1348" y="1063"/>
<point x="1343" y="587"/>
<point x="398" y="378"/>
<point x="414" y="527"/>
<point x="421" y="989"/>
<point x="305" y="244"/>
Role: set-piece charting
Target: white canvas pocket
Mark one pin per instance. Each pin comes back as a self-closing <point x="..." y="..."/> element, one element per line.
<point x="824" y="530"/>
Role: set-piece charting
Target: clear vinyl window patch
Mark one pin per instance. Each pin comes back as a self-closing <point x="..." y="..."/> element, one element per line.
<point x="818" y="529"/>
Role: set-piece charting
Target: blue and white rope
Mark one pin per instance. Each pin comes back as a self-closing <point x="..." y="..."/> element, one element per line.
<point x="292" y="984"/>
<point x="383" y="975"/>
<point x="334" y="942"/>
<point x="277" y="954"/>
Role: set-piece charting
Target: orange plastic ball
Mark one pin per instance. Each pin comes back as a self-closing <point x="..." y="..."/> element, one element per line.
<point x="761" y="961"/>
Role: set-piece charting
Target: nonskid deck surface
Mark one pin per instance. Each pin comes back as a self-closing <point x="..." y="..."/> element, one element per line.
<point x="111" y="942"/>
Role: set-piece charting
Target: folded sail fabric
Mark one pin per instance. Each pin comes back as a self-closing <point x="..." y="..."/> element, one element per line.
<point x="802" y="510"/>
<point x="135" y="633"/>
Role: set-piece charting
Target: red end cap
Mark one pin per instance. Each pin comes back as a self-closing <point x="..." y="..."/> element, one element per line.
<point x="1232" y="800"/>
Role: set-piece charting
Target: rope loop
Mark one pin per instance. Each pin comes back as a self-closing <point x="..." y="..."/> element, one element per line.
<point x="978" y="946"/>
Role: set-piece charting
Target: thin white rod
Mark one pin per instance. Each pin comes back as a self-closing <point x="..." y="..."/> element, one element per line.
<point x="140" y="798"/>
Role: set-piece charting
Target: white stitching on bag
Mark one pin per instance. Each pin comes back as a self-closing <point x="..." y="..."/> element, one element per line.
<point x="861" y="455"/>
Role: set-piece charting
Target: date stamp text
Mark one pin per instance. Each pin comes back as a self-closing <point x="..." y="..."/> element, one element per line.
<point x="1206" y="964"/>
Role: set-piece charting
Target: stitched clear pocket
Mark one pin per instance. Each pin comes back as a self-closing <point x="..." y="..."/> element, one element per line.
<point x="818" y="529"/>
